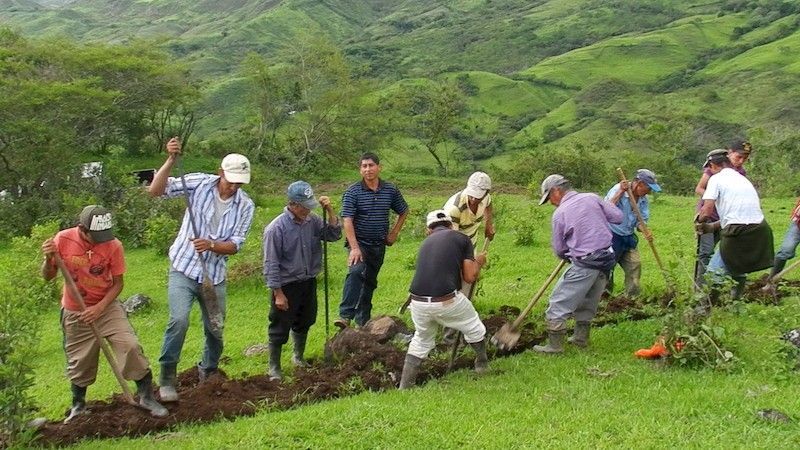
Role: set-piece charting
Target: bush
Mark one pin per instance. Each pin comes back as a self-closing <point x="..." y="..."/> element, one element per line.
<point x="21" y="306"/>
<point x="160" y="232"/>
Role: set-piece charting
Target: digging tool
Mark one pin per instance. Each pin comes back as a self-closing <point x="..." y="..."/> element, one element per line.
<point x="457" y="343"/>
<point x="326" y="351"/>
<point x="207" y="292"/>
<point x="75" y="293"/>
<point x="771" y="282"/>
<point x="646" y="231"/>
<point x="506" y="338"/>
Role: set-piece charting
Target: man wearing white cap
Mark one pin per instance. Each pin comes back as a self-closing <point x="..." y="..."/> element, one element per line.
<point x="445" y="259"/>
<point x="223" y="214"/>
<point x="292" y="252"/>
<point x="469" y="208"/>
<point x="624" y="239"/>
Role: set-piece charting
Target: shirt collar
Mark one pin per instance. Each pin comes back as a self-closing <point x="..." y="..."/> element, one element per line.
<point x="293" y="217"/>
<point x="366" y="188"/>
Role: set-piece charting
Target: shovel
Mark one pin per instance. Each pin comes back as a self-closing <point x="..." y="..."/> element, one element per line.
<point x="508" y="336"/>
<point x="457" y="343"/>
<point x="771" y="286"/>
<point x="207" y="292"/>
<point x="646" y="232"/>
<point x="73" y="290"/>
<point x="327" y="351"/>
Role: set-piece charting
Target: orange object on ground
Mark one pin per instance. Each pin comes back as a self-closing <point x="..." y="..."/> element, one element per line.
<point x="658" y="350"/>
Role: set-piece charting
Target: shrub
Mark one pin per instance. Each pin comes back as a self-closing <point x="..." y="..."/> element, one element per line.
<point x="160" y="232"/>
<point x="21" y="305"/>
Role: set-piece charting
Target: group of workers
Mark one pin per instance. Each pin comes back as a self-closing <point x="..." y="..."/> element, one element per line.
<point x="594" y="234"/>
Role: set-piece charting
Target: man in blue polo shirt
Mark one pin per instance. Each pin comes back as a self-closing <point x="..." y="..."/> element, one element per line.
<point x="365" y="214"/>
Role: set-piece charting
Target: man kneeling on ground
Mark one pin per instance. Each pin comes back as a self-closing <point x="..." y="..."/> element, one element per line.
<point x="445" y="259"/>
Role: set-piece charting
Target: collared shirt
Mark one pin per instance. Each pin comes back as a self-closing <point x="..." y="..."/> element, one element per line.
<point x="292" y="250"/>
<point x="581" y="224"/>
<point x="735" y="198"/>
<point x="370" y="210"/>
<point x="233" y="226"/>
<point x="629" y="219"/>
<point x="465" y="221"/>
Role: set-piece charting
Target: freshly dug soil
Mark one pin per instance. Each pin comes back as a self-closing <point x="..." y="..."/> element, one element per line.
<point x="361" y="362"/>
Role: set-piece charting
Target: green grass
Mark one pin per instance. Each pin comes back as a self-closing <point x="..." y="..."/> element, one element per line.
<point x="600" y="398"/>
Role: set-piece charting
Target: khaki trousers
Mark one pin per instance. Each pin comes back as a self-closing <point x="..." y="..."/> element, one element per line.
<point x="83" y="350"/>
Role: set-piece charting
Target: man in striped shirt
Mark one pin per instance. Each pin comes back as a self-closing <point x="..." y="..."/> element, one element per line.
<point x="365" y="212"/>
<point x="223" y="214"/>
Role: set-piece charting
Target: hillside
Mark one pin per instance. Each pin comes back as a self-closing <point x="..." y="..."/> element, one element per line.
<point x="535" y="74"/>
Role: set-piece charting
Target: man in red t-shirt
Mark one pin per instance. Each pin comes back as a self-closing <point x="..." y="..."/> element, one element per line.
<point x="95" y="260"/>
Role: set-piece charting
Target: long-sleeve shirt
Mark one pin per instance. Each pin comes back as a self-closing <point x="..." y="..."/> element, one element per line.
<point x="581" y="224"/>
<point x="293" y="250"/>
<point x="233" y="225"/>
<point x="629" y="219"/>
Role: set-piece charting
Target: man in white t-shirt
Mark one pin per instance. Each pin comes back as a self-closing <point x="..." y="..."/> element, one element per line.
<point x="746" y="239"/>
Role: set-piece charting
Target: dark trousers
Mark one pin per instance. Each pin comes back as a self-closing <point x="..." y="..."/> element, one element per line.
<point x="302" y="312"/>
<point x="706" y="243"/>
<point x="360" y="283"/>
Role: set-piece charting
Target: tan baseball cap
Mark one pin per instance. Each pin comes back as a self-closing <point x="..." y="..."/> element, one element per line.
<point x="236" y="168"/>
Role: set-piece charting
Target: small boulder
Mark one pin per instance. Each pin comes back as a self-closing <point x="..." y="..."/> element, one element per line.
<point x="384" y="328"/>
<point x="136" y="302"/>
<point x="793" y="336"/>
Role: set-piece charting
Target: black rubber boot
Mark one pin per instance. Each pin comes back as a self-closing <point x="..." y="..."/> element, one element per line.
<point x="275" y="373"/>
<point x="481" y="360"/>
<point x="78" y="402"/>
<point x="580" y="337"/>
<point x="144" y="388"/>
<point x="299" y="349"/>
<point x="410" y="371"/>
<point x="167" y="382"/>
<point x="738" y="289"/>
<point x="777" y="267"/>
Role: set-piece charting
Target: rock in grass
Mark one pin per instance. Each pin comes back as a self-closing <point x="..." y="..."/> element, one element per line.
<point x="256" y="349"/>
<point x="772" y="415"/>
<point x="793" y="336"/>
<point x="384" y="328"/>
<point x="136" y="302"/>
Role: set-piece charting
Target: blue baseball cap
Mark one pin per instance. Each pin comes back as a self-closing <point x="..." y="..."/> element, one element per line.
<point x="649" y="178"/>
<point x="301" y="193"/>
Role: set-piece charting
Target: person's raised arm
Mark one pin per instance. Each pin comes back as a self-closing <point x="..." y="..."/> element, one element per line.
<point x="159" y="184"/>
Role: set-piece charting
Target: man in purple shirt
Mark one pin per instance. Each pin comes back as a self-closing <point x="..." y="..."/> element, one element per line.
<point x="582" y="235"/>
<point x="292" y="260"/>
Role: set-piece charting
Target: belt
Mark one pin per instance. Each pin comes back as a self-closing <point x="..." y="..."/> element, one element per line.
<point x="423" y="298"/>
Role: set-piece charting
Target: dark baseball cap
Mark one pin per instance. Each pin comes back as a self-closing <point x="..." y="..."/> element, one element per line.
<point x="96" y="220"/>
<point x="301" y="193"/>
<point x="741" y="146"/>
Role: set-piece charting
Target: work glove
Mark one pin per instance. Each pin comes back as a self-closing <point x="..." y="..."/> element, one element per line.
<point x="706" y="227"/>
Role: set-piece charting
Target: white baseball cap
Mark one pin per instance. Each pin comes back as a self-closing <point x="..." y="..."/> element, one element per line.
<point x="236" y="168"/>
<point x="438" y="215"/>
<point x="549" y="183"/>
<point x="478" y="185"/>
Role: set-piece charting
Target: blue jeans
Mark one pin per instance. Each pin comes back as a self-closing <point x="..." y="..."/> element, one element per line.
<point x="182" y="292"/>
<point x="790" y="241"/>
<point x="717" y="272"/>
<point x="360" y="283"/>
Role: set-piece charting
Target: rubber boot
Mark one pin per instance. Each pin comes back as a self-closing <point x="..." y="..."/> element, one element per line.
<point x="556" y="344"/>
<point x="167" y="382"/>
<point x="299" y="349"/>
<point x="78" y="402"/>
<point x="410" y="371"/>
<point x="738" y="289"/>
<point x="481" y="360"/>
<point x="275" y="373"/>
<point x="777" y="267"/>
<point x="580" y="337"/>
<point x="144" y="388"/>
<point x="706" y="303"/>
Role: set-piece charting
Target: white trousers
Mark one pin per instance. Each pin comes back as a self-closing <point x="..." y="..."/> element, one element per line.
<point x="457" y="313"/>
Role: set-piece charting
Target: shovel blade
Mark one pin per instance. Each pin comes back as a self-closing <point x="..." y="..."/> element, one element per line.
<point x="506" y="338"/>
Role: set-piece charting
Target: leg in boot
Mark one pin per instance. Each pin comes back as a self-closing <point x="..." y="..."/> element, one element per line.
<point x="78" y="402"/>
<point x="167" y="382"/>
<point x="738" y="289"/>
<point x="299" y="349"/>
<point x="481" y="360"/>
<point x="144" y="388"/>
<point x="275" y="372"/>
<point x="556" y="330"/>
<point x="580" y="337"/>
<point x="410" y="371"/>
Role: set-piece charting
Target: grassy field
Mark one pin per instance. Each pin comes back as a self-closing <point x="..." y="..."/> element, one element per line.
<point x="600" y="398"/>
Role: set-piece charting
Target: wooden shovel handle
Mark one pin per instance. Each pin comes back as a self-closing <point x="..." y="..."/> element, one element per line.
<point x="538" y="295"/>
<point x="75" y="293"/>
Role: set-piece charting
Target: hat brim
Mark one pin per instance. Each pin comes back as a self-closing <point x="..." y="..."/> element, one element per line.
<point x="309" y="204"/>
<point x="654" y="187"/>
<point x="475" y="192"/>
<point x="545" y="196"/>
<point x="102" y="235"/>
<point x="242" y="178"/>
